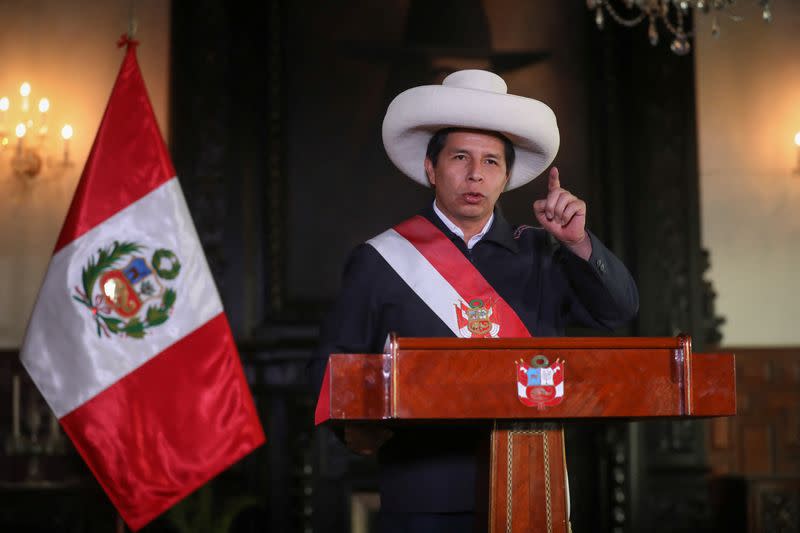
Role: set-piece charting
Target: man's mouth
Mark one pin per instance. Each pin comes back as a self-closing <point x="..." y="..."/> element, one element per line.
<point x="473" y="197"/>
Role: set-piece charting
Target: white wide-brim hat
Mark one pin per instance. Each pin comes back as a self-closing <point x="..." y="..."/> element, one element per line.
<point x="474" y="99"/>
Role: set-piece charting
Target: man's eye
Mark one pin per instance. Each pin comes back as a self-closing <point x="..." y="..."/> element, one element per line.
<point x="460" y="156"/>
<point x="492" y="161"/>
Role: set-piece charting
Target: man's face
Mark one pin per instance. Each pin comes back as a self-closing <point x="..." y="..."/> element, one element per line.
<point x="469" y="175"/>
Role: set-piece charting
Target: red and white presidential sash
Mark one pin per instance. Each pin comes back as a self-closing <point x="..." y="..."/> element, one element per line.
<point x="436" y="270"/>
<point x="449" y="284"/>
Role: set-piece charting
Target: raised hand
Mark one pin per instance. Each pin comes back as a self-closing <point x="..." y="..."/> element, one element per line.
<point x="563" y="215"/>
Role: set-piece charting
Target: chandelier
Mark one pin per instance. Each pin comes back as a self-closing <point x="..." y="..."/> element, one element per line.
<point x="25" y="137"/>
<point x="672" y="14"/>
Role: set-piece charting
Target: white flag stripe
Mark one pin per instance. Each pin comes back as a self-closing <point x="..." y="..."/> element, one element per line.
<point x="66" y="358"/>
<point x="420" y="275"/>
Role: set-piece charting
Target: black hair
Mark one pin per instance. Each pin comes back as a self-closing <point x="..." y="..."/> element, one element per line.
<point x="439" y="139"/>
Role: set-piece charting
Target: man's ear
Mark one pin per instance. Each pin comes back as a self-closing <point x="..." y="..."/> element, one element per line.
<point x="430" y="172"/>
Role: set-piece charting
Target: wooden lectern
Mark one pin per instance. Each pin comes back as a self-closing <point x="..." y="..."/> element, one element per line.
<point x="514" y="384"/>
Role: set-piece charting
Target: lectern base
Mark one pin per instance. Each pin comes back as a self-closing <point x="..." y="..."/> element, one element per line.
<point x="528" y="479"/>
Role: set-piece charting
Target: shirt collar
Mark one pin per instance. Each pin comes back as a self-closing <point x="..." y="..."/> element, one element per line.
<point x="501" y="232"/>
<point x="455" y="229"/>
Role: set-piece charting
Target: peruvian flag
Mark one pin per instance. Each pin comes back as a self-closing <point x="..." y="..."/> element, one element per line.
<point x="128" y="341"/>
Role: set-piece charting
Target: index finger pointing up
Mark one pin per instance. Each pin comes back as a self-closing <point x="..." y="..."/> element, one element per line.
<point x="553" y="183"/>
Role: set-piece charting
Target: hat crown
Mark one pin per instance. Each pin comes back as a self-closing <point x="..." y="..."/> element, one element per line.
<point x="481" y="80"/>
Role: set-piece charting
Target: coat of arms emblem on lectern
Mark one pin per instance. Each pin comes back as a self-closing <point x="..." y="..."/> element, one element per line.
<point x="540" y="384"/>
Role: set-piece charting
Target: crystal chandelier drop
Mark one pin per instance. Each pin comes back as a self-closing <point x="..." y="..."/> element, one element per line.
<point x="673" y="15"/>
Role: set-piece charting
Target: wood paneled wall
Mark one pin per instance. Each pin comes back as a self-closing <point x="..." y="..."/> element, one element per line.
<point x="764" y="438"/>
<point x="755" y="456"/>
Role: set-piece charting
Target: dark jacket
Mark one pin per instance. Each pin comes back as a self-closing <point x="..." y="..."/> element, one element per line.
<point x="434" y="469"/>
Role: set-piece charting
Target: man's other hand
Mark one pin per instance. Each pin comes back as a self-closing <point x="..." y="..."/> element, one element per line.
<point x="365" y="440"/>
<point x="563" y="215"/>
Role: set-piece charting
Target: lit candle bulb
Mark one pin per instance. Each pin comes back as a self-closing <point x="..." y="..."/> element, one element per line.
<point x="797" y="143"/>
<point x="25" y="92"/>
<point x="66" y="134"/>
<point x="4" y="103"/>
<point x="44" y="106"/>
<point x="20" y="131"/>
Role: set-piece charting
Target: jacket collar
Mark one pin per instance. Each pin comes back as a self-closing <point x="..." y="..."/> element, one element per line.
<point x="501" y="232"/>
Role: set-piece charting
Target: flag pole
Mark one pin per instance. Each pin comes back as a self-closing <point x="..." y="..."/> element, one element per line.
<point x="120" y="525"/>
<point x="132" y="23"/>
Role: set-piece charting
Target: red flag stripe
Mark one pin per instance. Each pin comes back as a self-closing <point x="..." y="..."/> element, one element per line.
<point x="168" y="427"/>
<point x="118" y="171"/>
<point x="448" y="260"/>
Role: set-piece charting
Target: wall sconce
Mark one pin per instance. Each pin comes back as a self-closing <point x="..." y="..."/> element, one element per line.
<point x="29" y="151"/>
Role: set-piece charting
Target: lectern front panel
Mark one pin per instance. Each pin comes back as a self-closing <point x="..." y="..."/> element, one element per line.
<point x="597" y="383"/>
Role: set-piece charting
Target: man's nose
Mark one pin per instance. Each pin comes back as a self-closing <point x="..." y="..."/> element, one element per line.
<point x="475" y="172"/>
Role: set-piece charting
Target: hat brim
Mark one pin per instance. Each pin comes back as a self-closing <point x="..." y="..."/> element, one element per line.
<point x="416" y="114"/>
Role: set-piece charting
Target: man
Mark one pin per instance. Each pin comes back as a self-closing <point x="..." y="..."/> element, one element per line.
<point x="459" y="268"/>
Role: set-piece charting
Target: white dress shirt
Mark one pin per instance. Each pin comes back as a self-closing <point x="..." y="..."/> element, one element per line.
<point x="455" y="229"/>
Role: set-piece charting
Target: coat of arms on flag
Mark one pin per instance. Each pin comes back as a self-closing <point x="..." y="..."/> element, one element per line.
<point x="540" y="384"/>
<point x="118" y="305"/>
<point x="476" y="319"/>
